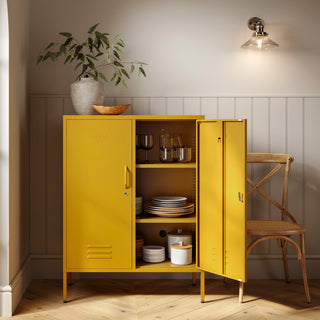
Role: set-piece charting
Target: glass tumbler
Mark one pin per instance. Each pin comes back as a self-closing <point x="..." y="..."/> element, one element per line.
<point x="177" y="143"/>
<point x="184" y="154"/>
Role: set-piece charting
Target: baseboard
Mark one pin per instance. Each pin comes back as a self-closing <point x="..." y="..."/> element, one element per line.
<point x="5" y="301"/>
<point x="20" y="283"/>
<point x="11" y="295"/>
<point x="259" y="267"/>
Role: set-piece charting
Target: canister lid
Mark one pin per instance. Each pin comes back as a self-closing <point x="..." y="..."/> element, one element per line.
<point x="181" y="246"/>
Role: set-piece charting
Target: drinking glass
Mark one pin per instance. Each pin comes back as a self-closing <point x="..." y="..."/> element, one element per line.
<point x="146" y="143"/>
<point x="138" y="146"/>
<point x="177" y="143"/>
<point x="184" y="154"/>
<point x="165" y="145"/>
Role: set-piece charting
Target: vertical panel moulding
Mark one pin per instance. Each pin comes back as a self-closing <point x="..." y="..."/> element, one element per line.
<point x="109" y="101"/>
<point x="37" y="175"/>
<point x="260" y="143"/>
<point x="54" y="174"/>
<point x="174" y="106"/>
<point x="157" y="106"/>
<point x="209" y="107"/>
<point x="192" y="106"/>
<point x="278" y="144"/>
<point x="244" y="111"/>
<point x="312" y="173"/>
<point x="68" y="108"/>
<point x="295" y="147"/>
<point x="226" y="108"/>
<point x="139" y="106"/>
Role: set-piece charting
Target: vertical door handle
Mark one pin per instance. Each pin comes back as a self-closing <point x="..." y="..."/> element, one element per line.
<point x="126" y="177"/>
<point x="240" y="195"/>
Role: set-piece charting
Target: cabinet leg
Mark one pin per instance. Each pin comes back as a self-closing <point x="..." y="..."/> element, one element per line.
<point x="202" y="286"/>
<point x="65" y="283"/>
<point x="194" y="278"/>
<point x="241" y="288"/>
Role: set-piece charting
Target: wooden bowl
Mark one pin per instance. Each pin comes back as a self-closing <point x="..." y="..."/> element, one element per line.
<point x="121" y="108"/>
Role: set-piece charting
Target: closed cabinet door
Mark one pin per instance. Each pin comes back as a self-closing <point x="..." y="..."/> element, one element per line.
<point x="98" y="193"/>
<point x="221" y="232"/>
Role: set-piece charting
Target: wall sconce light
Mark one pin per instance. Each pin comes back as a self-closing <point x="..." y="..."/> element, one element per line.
<point x="259" y="39"/>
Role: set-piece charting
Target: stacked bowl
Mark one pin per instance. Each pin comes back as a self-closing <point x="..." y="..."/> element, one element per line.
<point x="153" y="254"/>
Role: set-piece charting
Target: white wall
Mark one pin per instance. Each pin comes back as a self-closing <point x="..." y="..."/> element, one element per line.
<point x="4" y="145"/>
<point x="192" y="47"/>
<point x="18" y="11"/>
<point x="196" y="66"/>
<point x="19" y="46"/>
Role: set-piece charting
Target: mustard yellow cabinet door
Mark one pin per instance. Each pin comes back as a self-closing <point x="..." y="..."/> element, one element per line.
<point x="235" y="181"/>
<point x="98" y="209"/>
<point x="210" y="224"/>
<point x="221" y="197"/>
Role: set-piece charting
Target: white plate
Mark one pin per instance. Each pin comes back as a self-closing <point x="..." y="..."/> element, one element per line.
<point x="169" y="198"/>
<point x="169" y="205"/>
<point x="153" y="260"/>
<point x="151" y="248"/>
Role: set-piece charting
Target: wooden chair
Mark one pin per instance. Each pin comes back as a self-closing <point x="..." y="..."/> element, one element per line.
<point x="276" y="229"/>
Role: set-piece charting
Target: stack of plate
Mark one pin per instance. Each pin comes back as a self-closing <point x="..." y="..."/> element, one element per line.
<point x="139" y="205"/>
<point x="153" y="254"/>
<point x="169" y="206"/>
<point x="139" y="245"/>
<point x="169" y="201"/>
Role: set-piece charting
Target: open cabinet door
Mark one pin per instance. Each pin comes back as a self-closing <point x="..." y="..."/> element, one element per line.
<point x="221" y="231"/>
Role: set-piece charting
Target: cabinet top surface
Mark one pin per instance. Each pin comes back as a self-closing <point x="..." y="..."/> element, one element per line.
<point x="133" y="117"/>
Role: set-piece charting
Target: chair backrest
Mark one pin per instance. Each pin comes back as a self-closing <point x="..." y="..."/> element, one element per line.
<point x="280" y="160"/>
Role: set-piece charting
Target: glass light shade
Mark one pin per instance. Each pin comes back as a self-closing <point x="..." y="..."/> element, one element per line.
<point x="260" y="42"/>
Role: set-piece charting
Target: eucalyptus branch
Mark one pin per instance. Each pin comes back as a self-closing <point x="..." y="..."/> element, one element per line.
<point x="87" y="54"/>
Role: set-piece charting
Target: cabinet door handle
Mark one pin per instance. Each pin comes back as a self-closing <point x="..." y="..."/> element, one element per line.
<point x="126" y="178"/>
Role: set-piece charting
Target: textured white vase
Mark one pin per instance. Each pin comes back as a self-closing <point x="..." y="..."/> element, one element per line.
<point x="84" y="93"/>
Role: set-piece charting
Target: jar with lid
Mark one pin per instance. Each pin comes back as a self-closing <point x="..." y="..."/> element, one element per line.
<point x="175" y="237"/>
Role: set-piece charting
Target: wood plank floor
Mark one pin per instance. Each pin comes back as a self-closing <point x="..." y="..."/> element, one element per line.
<point x="168" y="299"/>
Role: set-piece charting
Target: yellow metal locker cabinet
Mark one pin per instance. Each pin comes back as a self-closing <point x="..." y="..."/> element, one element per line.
<point x="101" y="179"/>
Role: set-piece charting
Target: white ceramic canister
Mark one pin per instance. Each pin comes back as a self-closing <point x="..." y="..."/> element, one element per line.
<point x="181" y="253"/>
<point x="177" y="236"/>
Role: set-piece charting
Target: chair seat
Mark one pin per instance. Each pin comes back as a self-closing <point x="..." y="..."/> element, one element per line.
<point x="274" y="228"/>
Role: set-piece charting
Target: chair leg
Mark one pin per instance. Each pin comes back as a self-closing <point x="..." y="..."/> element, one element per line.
<point x="284" y="257"/>
<point x="304" y="272"/>
<point x="241" y="288"/>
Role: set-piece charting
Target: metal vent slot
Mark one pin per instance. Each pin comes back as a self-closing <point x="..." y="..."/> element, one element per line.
<point x="99" y="252"/>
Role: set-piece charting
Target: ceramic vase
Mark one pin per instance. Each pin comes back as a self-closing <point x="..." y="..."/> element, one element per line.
<point x="84" y="93"/>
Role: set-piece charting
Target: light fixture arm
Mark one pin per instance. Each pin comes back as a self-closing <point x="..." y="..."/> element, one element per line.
<point x="256" y="24"/>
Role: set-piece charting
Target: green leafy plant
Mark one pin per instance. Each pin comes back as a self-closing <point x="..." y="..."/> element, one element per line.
<point x="96" y="52"/>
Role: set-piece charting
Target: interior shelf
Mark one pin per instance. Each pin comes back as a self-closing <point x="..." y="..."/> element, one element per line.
<point x="165" y="266"/>
<point x="145" y="218"/>
<point x="174" y="165"/>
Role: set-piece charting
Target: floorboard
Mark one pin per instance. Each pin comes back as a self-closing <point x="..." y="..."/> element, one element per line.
<point x="168" y="299"/>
